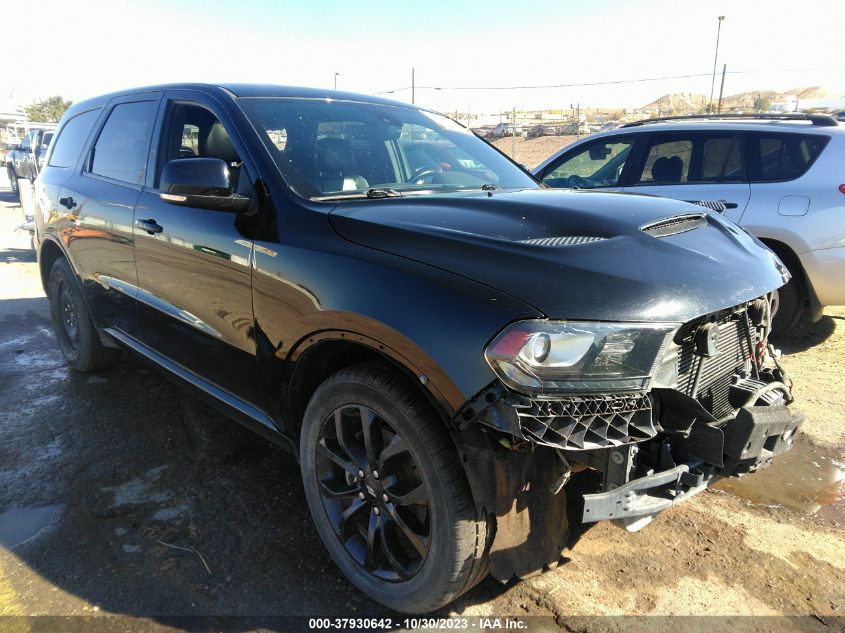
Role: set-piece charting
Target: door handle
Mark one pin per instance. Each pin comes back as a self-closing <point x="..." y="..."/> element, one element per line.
<point x="150" y="226"/>
<point x="68" y="202"/>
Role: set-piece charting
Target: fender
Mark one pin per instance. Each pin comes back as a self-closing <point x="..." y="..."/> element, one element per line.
<point x="385" y="341"/>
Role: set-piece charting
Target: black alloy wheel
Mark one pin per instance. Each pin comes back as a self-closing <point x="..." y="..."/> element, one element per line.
<point x="373" y="494"/>
<point x="387" y="490"/>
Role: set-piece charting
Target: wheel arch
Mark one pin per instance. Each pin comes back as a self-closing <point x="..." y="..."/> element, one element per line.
<point x="790" y="258"/>
<point x="324" y="353"/>
<point x="49" y="252"/>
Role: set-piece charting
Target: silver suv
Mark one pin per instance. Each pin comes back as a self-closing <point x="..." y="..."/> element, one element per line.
<point x="780" y="177"/>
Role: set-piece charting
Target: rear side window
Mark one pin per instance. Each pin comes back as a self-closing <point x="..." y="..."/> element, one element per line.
<point x="693" y="158"/>
<point x="121" y="149"/>
<point x="778" y="157"/>
<point x="72" y="137"/>
<point x="667" y="162"/>
<point x="721" y="159"/>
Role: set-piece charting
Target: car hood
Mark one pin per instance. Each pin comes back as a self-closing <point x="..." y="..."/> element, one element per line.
<point x="575" y="254"/>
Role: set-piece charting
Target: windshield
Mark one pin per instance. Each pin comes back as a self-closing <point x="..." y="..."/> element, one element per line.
<point x="336" y="149"/>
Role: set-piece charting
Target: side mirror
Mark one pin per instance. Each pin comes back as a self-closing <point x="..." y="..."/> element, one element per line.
<point x="202" y="183"/>
<point x="599" y="152"/>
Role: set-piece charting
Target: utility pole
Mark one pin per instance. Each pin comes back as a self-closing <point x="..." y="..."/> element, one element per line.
<point x="336" y="75"/>
<point x="715" y="60"/>
<point x="513" y="132"/>
<point x="721" y="89"/>
<point x="413" y="87"/>
<point x="578" y="120"/>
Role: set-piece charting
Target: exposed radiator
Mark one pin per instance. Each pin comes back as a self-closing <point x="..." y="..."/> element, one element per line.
<point x="715" y="371"/>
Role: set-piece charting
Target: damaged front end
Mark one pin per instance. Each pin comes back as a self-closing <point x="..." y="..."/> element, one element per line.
<point x="688" y="404"/>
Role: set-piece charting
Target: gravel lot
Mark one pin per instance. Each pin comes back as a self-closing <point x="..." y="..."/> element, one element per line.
<point x="104" y="477"/>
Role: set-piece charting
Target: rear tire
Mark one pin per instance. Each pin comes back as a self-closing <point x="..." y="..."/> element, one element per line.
<point x="78" y="339"/>
<point x="411" y="555"/>
<point x="13" y="181"/>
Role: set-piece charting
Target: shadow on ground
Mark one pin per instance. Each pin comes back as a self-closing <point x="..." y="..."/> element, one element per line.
<point x="6" y="195"/>
<point x="805" y="335"/>
<point x="128" y="493"/>
<point x="17" y="256"/>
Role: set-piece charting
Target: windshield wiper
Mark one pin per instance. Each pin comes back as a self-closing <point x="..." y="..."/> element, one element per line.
<point x="370" y="193"/>
<point x="489" y="187"/>
<point x="383" y="193"/>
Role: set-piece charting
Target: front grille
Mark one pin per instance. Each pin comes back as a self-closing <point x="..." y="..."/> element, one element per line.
<point x="586" y="422"/>
<point x="716" y="372"/>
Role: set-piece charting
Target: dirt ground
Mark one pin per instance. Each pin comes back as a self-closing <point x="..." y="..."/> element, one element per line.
<point x="532" y="151"/>
<point x="121" y="495"/>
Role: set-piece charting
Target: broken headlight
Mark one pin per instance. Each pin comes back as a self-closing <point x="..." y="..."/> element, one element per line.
<point x="553" y="357"/>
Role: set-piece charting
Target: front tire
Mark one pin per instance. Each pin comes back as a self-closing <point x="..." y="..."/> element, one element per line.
<point x="387" y="492"/>
<point x="791" y="299"/>
<point x="78" y="339"/>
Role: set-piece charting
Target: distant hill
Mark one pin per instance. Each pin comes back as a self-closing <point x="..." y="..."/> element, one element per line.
<point x="692" y="102"/>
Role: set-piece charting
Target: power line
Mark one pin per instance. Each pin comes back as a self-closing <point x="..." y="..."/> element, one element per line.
<point x="605" y="83"/>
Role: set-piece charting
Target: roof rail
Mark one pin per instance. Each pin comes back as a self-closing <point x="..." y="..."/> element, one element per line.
<point x="824" y="120"/>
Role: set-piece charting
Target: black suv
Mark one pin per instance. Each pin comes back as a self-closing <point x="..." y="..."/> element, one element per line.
<point x="440" y="340"/>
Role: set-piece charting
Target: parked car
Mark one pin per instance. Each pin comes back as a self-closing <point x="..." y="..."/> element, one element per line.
<point x="440" y="348"/>
<point x="543" y="130"/>
<point x="24" y="161"/>
<point x="5" y="149"/>
<point x="505" y="129"/>
<point x="482" y="132"/>
<point x="779" y="175"/>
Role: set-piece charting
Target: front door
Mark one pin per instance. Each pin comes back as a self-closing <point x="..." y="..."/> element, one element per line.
<point x="194" y="278"/>
<point x="694" y="166"/>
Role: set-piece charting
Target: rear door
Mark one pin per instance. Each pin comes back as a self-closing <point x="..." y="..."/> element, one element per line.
<point x="97" y="202"/>
<point x="694" y="166"/>
<point x="194" y="276"/>
<point x="61" y="163"/>
<point x="776" y="160"/>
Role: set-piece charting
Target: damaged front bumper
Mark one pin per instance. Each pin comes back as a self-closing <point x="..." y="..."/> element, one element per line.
<point x="749" y="442"/>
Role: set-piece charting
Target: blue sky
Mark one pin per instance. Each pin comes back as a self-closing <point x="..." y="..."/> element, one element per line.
<point x="87" y="47"/>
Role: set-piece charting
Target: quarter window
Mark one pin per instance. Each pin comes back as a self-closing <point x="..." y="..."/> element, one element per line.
<point x="777" y="157"/>
<point x="73" y="135"/>
<point x="121" y="149"/>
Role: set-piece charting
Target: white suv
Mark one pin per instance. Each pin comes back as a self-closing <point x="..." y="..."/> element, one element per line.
<point x="781" y="177"/>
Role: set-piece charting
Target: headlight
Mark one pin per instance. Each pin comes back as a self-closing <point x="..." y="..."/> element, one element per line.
<point x="552" y="357"/>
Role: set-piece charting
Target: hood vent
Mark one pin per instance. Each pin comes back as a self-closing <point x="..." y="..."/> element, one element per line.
<point x="675" y="225"/>
<point x="567" y="240"/>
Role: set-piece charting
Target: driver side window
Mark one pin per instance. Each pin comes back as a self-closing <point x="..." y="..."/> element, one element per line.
<point x="597" y="164"/>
